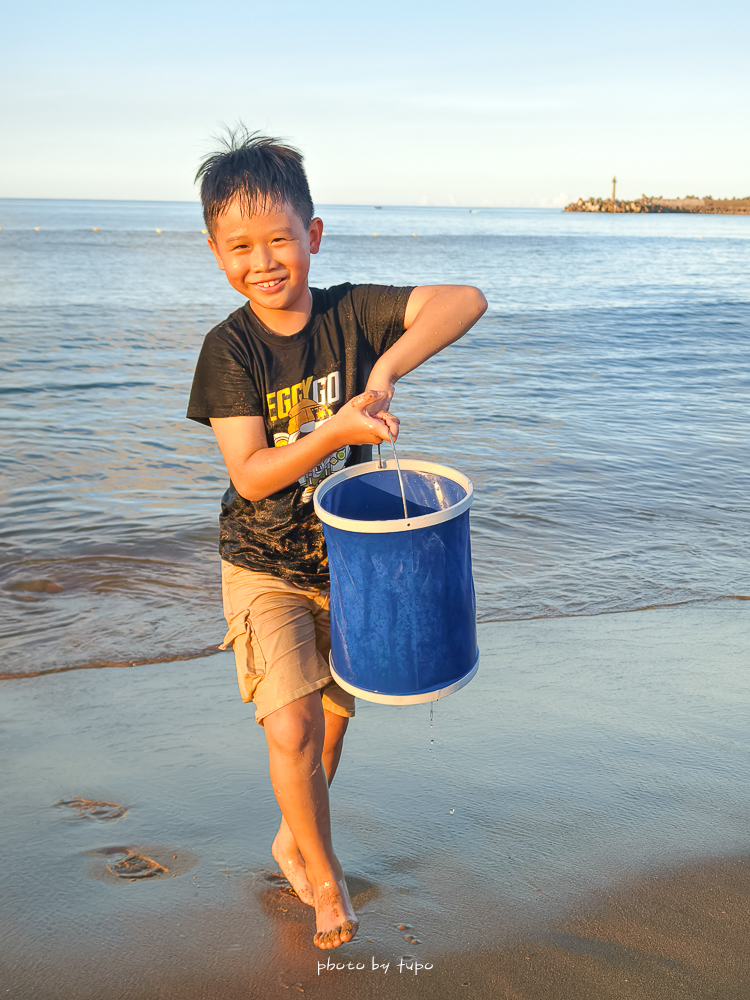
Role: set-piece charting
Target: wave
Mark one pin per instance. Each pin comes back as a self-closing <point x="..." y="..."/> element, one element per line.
<point x="195" y="654"/>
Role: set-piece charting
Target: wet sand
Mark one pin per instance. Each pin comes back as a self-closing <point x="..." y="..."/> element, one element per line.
<point x="577" y="829"/>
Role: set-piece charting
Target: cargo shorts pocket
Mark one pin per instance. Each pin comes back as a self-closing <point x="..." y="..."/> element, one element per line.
<point x="247" y="656"/>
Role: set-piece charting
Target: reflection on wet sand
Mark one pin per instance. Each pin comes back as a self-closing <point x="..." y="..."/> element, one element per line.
<point x="678" y="933"/>
<point x="577" y="829"/>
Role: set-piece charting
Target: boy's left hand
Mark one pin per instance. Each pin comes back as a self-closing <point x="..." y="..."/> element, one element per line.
<point x="384" y="386"/>
<point x="380" y="408"/>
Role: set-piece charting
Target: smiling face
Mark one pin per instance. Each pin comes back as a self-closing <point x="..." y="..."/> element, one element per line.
<point x="266" y="258"/>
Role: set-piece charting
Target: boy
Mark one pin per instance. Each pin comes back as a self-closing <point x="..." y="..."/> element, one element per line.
<point x="295" y="385"/>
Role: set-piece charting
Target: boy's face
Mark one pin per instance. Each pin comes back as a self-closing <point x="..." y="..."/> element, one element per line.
<point x="266" y="256"/>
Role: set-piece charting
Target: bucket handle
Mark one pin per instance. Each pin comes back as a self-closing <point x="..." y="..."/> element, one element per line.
<point x="398" y="470"/>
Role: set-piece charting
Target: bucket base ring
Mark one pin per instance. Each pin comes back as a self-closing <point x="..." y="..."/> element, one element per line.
<point x="404" y="699"/>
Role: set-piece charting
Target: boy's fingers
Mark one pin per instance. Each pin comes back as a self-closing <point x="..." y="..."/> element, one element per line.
<point x="391" y="422"/>
<point x="386" y="415"/>
<point x="379" y="423"/>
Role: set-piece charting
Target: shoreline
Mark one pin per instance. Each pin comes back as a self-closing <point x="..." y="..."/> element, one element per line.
<point x="195" y="654"/>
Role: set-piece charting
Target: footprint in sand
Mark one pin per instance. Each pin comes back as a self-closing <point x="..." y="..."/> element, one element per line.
<point x="88" y="809"/>
<point x="274" y="880"/>
<point x="277" y="881"/>
<point x="277" y="897"/>
<point x="132" y="865"/>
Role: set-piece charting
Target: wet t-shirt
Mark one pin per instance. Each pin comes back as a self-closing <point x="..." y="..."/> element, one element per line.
<point x="295" y="383"/>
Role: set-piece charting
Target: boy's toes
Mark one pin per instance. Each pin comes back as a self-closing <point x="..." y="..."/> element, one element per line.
<point x="336" y="936"/>
<point x="327" y="939"/>
<point x="347" y="931"/>
<point x="320" y="939"/>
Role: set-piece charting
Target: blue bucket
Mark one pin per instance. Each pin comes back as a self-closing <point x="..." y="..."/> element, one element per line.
<point x="403" y="612"/>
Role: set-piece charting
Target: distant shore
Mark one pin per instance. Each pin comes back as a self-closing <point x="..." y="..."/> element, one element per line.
<point x="691" y="204"/>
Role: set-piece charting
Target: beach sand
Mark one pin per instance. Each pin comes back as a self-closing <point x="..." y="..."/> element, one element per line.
<point x="574" y="824"/>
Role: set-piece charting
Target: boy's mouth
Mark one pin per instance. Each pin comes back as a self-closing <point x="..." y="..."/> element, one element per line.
<point x="269" y="285"/>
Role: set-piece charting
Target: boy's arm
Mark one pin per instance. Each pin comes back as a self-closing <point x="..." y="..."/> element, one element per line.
<point x="257" y="471"/>
<point x="436" y="316"/>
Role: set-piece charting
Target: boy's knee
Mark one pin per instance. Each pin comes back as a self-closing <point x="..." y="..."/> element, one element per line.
<point x="298" y="728"/>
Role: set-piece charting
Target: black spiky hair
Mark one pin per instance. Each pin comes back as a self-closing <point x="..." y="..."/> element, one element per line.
<point x="255" y="169"/>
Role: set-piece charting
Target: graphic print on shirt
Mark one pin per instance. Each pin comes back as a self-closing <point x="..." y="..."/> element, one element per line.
<point x="305" y="406"/>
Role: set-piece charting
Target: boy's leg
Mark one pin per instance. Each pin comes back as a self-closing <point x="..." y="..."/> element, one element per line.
<point x="284" y="848"/>
<point x="281" y="637"/>
<point x="336" y="726"/>
<point x="296" y="736"/>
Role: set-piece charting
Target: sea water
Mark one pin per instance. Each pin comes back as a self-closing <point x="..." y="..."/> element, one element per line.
<point x="600" y="407"/>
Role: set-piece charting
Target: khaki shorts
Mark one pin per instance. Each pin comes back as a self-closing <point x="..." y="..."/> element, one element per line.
<point x="281" y="636"/>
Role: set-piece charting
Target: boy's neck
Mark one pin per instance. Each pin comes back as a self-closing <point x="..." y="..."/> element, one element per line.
<point x="286" y="322"/>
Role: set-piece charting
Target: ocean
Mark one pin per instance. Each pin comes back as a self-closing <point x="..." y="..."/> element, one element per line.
<point x="600" y="408"/>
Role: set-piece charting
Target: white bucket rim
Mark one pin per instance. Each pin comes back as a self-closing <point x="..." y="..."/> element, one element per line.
<point x="402" y="523"/>
<point x="404" y="699"/>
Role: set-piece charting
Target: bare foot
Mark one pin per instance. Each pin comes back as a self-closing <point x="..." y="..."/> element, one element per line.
<point x="334" y="915"/>
<point x="292" y="864"/>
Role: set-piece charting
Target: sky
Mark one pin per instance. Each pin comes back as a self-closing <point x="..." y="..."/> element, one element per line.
<point x="533" y="103"/>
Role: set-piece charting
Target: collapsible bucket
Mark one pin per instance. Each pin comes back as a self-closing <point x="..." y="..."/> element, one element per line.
<point x="403" y="612"/>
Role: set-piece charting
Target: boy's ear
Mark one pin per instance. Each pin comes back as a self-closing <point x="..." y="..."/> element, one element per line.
<point x="215" y="252"/>
<point x="315" y="234"/>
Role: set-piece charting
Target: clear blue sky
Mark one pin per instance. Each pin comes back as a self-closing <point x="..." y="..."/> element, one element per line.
<point x="530" y="103"/>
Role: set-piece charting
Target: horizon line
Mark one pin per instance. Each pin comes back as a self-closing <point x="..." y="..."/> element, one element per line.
<point x="323" y="204"/>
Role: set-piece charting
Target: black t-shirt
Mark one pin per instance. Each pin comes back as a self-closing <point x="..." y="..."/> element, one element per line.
<point x="295" y="383"/>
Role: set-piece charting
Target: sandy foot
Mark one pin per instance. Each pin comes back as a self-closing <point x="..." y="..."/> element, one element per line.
<point x="334" y="915"/>
<point x="287" y="856"/>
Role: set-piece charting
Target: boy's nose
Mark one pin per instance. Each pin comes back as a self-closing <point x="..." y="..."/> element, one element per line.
<point x="260" y="258"/>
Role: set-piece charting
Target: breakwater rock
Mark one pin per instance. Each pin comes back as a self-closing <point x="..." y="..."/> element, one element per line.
<point x="702" y="206"/>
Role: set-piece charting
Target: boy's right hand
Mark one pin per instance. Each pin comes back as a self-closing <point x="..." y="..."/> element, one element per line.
<point x="258" y="470"/>
<point x="353" y="423"/>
